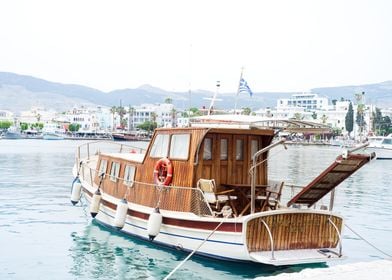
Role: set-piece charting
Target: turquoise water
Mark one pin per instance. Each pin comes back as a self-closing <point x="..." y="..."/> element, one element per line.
<point x="42" y="236"/>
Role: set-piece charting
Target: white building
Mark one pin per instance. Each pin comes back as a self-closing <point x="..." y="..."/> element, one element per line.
<point x="308" y="101"/>
<point x="163" y="114"/>
<point x="85" y="117"/>
<point x="37" y="115"/>
<point x="6" y="116"/>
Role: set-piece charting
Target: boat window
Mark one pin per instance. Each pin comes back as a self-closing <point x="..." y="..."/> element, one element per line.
<point x="254" y="147"/>
<point x="129" y="175"/>
<point x="160" y="146"/>
<point x="207" y="153"/>
<point x="114" y="171"/>
<point x="387" y="141"/>
<point x="102" y="167"/>
<point x="239" y="149"/>
<point x="179" y="146"/>
<point x="223" y="149"/>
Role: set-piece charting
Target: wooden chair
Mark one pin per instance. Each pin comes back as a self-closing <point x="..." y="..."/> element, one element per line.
<point x="208" y="187"/>
<point x="272" y="196"/>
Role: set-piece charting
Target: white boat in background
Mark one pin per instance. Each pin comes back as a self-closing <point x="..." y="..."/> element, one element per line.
<point x="381" y="145"/>
<point x="205" y="189"/>
<point x="13" y="132"/>
<point x="53" y="131"/>
<point x="52" y="136"/>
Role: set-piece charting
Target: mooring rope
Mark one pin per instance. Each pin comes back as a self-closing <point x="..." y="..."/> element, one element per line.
<point x="195" y="250"/>
<point x="370" y="244"/>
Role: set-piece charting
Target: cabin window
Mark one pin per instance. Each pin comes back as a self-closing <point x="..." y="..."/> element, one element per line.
<point x="114" y="171"/>
<point x="254" y="147"/>
<point x="223" y="149"/>
<point x="102" y="167"/>
<point x="129" y="175"/>
<point x="207" y="153"/>
<point x="160" y="147"/>
<point x="239" y="149"/>
<point x="179" y="146"/>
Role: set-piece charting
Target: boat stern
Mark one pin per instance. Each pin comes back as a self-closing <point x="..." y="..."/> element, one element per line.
<point x="293" y="236"/>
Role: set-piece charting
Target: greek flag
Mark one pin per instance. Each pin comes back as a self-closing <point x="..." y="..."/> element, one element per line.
<point x="244" y="88"/>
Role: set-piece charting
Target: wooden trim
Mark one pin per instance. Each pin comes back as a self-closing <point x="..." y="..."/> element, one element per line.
<point x="190" y="224"/>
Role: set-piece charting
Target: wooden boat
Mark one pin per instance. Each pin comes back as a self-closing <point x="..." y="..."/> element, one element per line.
<point x="130" y="136"/>
<point x="205" y="189"/>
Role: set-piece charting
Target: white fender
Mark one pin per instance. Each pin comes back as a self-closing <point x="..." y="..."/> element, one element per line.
<point x="95" y="203"/>
<point x="76" y="191"/>
<point x="121" y="214"/>
<point x="154" y="224"/>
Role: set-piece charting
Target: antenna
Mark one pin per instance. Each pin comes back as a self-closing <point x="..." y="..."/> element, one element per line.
<point x="214" y="97"/>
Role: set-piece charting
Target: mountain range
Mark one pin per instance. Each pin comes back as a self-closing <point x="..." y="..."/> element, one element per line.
<point x="21" y="92"/>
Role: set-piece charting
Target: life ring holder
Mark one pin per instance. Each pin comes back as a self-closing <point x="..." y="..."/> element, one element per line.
<point x="163" y="172"/>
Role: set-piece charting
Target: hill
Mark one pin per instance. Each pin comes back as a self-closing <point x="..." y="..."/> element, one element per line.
<point x="21" y="92"/>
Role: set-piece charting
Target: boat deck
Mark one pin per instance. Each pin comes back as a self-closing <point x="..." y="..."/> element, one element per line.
<point x="287" y="257"/>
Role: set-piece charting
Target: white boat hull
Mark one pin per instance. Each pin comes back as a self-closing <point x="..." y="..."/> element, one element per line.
<point x="185" y="232"/>
<point x="381" y="152"/>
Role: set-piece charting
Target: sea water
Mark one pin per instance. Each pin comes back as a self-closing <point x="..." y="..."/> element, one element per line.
<point x="42" y="236"/>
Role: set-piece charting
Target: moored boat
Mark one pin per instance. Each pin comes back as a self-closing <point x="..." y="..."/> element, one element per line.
<point x="13" y="132"/>
<point x="381" y="145"/>
<point x="206" y="189"/>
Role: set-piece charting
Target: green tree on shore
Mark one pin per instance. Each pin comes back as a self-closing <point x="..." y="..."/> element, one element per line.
<point x="349" y="120"/>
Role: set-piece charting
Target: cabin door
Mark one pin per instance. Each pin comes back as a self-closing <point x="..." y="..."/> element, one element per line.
<point x="240" y="159"/>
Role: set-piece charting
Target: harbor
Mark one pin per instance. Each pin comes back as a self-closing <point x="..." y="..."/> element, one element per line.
<point x="63" y="240"/>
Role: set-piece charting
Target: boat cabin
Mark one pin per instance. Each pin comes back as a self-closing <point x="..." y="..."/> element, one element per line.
<point x="221" y="155"/>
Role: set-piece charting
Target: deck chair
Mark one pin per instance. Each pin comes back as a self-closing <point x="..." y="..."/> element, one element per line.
<point x="215" y="198"/>
<point x="272" y="196"/>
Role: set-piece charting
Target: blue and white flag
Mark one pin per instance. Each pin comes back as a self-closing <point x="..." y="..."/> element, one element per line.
<point x="243" y="87"/>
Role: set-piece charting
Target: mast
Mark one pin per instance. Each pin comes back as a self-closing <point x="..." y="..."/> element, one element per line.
<point x="214" y="98"/>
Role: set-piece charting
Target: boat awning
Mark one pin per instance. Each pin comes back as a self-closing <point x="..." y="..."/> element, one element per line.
<point x="331" y="177"/>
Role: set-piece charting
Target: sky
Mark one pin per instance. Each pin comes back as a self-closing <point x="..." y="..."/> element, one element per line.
<point x="181" y="45"/>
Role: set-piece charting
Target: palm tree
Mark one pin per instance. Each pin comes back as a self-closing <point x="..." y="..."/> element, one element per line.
<point x="121" y="112"/>
<point x="113" y="110"/>
<point x="154" y="117"/>
<point x="173" y="117"/>
<point x="131" y="110"/>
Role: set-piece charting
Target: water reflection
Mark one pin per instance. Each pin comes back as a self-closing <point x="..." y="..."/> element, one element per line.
<point x="102" y="253"/>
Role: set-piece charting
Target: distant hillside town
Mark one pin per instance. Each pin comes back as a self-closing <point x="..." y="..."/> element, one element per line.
<point x="356" y="118"/>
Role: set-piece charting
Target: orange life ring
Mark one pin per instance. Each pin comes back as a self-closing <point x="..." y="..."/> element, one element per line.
<point x="163" y="172"/>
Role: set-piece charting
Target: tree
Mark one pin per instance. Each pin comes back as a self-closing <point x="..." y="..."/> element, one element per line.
<point x="298" y="116"/>
<point x="195" y="112"/>
<point x="5" y="124"/>
<point x="24" y="126"/>
<point x="148" y="126"/>
<point x="173" y="117"/>
<point x="377" y="120"/>
<point x="324" y="119"/>
<point x="168" y="100"/>
<point x="113" y="110"/>
<point x="131" y="111"/>
<point x="246" y="111"/>
<point x="314" y="115"/>
<point x="73" y="127"/>
<point x="121" y="112"/>
<point x="386" y="126"/>
<point x="349" y="120"/>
